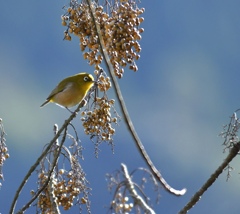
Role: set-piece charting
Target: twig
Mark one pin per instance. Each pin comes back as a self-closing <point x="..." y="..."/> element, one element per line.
<point x="124" y="111"/>
<point x="233" y="152"/>
<point x="3" y="149"/>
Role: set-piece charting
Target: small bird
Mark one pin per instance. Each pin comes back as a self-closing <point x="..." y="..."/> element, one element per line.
<point x="71" y="90"/>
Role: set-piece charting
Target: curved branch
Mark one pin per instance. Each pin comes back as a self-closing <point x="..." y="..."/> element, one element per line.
<point x="124" y="111"/>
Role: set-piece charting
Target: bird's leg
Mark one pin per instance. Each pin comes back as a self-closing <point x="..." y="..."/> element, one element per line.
<point x="69" y="110"/>
<point x="72" y="112"/>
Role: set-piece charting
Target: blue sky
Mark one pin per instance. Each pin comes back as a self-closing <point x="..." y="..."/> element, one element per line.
<point x="184" y="92"/>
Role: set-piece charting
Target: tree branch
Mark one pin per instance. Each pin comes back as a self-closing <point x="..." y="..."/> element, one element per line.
<point x="137" y="199"/>
<point x="233" y="152"/>
<point x="34" y="166"/>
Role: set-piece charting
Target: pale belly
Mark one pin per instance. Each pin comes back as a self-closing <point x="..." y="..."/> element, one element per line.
<point x="68" y="97"/>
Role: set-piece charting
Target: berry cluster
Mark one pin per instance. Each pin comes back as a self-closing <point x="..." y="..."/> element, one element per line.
<point x="104" y="82"/>
<point x="3" y="156"/>
<point x="121" y="205"/>
<point x="98" y="122"/>
<point x="65" y="190"/>
<point x="65" y="186"/>
<point x="119" y="24"/>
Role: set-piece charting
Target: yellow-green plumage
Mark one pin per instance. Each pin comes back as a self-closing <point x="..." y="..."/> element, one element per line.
<point x="71" y="90"/>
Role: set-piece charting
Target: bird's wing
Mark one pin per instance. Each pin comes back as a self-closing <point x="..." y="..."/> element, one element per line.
<point x="59" y="88"/>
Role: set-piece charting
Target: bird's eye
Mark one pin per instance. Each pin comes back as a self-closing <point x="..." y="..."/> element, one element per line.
<point x="85" y="79"/>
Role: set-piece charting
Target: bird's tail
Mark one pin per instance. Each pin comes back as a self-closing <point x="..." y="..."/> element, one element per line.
<point x="45" y="103"/>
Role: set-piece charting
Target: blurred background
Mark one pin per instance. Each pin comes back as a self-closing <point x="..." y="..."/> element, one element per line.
<point x="184" y="92"/>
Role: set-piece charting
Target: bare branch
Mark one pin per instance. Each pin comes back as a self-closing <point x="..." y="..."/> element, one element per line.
<point x="233" y="152"/>
<point x="56" y="155"/>
<point x="44" y="153"/>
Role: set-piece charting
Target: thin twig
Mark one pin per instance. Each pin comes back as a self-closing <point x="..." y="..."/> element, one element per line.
<point x="3" y="147"/>
<point x="124" y="111"/>
<point x="52" y="175"/>
<point x="53" y="198"/>
<point x="233" y="152"/>
<point x="44" y="153"/>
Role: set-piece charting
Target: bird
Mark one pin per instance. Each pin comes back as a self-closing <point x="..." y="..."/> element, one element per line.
<point x="71" y="90"/>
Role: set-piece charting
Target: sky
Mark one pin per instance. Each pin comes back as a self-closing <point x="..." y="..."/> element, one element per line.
<point x="185" y="90"/>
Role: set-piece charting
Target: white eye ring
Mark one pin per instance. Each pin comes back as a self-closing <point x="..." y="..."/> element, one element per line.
<point x="85" y="79"/>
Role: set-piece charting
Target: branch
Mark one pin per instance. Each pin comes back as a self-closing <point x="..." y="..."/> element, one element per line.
<point x="34" y="166"/>
<point x="124" y="111"/>
<point x="233" y="152"/>
<point x="137" y="199"/>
